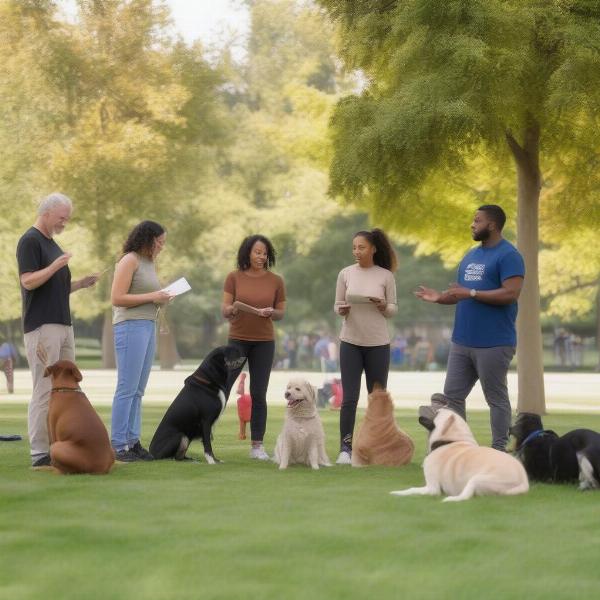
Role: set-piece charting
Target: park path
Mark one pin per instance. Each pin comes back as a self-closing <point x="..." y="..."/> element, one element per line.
<point x="564" y="391"/>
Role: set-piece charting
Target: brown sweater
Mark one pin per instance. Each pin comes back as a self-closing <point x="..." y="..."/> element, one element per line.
<point x="260" y="292"/>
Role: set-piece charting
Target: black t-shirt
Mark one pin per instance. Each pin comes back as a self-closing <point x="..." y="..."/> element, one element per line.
<point x="48" y="303"/>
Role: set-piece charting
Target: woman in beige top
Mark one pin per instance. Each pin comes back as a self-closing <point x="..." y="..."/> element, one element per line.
<point x="136" y="297"/>
<point x="366" y="297"/>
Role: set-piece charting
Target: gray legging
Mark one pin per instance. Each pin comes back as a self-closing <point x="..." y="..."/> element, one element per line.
<point x="375" y="361"/>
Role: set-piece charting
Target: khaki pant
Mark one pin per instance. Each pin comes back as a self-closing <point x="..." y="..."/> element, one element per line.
<point x="59" y="344"/>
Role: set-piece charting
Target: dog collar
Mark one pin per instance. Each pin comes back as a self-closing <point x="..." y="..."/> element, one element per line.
<point x="532" y="436"/>
<point x="66" y="389"/>
<point x="439" y="443"/>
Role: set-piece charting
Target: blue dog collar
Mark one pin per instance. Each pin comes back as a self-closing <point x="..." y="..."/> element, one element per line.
<point x="532" y="436"/>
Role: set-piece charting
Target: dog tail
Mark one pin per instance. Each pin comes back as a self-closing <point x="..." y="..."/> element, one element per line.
<point x="589" y="470"/>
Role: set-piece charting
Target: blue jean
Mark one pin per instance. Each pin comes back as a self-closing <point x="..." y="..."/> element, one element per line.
<point x="135" y="341"/>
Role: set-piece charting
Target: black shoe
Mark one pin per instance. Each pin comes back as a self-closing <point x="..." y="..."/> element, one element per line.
<point x="42" y="461"/>
<point x="126" y="456"/>
<point x="141" y="452"/>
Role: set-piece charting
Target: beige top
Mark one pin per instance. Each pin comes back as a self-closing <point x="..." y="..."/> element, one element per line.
<point x="365" y="325"/>
<point x="144" y="280"/>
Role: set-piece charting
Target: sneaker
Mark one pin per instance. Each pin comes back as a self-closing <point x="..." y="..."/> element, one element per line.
<point x="42" y="461"/>
<point x="344" y="458"/>
<point x="141" y="452"/>
<point x="126" y="456"/>
<point x="259" y="453"/>
<point x="183" y="446"/>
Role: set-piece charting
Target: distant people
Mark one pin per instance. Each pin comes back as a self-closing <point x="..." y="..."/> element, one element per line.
<point x="291" y="349"/>
<point x="576" y="346"/>
<point x="46" y="284"/>
<point x="8" y="358"/>
<point x="561" y="348"/>
<point x="398" y="350"/>
<point x="304" y="352"/>
<point x="136" y="297"/>
<point x="366" y="297"/>
<point x="326" y="352"/>
<point x="490" y="278"/>
<point x="423" y="355"/>
<point x="441" y="353"/>
<point x="253" y="298"/>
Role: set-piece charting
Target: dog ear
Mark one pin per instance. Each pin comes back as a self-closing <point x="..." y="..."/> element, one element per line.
<point x="426" y="417"/>
<point x="449" y="422"/>
<point x="312" y="390"/>
<point x="49" y="370"/>
<point x="377" y="387"/>
<point x="76" y="373"/>
<point x="427" y="423"/>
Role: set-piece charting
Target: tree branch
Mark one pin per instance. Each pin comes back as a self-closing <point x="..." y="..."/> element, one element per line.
<point x="572" y="288"/>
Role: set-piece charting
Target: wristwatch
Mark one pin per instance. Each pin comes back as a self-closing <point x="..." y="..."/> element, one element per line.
<point x="473" y="293"/>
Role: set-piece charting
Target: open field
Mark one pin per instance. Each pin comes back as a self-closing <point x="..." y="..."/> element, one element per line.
<point x="564" y="391"/>
<point x="244" y="529"/>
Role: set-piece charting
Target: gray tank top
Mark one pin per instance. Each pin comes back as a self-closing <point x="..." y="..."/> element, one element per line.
<point x="144" y="280"/>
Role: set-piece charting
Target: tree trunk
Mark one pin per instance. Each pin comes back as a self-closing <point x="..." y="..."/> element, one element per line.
<point x="108" y="345"/>
<point x="209" y="334"/>
<point x="530" y="367"/>
<point x="167" y="346"/>
<point x="598" y="326"/>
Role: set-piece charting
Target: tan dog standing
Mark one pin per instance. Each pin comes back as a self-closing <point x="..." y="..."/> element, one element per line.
<point x="302" y="439"/>
<point x="457" y="466"/>
<point x="79" y="441"/>
<point x="379" y="440"/>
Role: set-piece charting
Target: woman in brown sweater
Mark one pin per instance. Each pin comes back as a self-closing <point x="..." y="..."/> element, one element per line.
<point x="254" y="297"/>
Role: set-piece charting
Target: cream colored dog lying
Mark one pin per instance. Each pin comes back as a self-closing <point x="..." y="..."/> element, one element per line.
<point x="379" y="441"/>
<point x="302" y="440"/>
<point x="457" y="466"/>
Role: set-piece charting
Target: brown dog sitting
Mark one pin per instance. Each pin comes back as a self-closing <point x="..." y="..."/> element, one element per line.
<point x="78" y="438"/>
<point x="379" y="440"/>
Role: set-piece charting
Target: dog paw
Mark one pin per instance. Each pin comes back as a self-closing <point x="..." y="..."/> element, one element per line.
<point x="454" y="499"/>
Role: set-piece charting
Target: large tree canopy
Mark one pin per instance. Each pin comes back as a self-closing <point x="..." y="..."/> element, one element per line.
<point x="459" y="95"/>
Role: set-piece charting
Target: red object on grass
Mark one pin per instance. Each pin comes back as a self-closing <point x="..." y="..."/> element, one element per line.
<point x="244" y="406"/>
<point x="338" y="394"/>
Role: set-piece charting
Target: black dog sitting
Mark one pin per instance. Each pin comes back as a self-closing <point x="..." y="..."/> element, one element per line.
<point x="197" y="407"/>
<point x="548" y="457"/>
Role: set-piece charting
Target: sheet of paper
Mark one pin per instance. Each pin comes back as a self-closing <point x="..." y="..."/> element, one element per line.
<point x="357" y="299"/>
<point x="178" y="287"/>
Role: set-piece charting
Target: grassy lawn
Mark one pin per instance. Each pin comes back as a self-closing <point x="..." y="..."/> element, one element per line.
<point x="246" y="530"/>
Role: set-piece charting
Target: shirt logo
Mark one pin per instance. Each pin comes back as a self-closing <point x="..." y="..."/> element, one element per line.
<point x="474" y="272"/>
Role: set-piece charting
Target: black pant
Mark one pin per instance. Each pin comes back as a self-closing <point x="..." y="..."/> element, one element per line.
<point x="260" y="360"/>
<point x="375" y="361"/>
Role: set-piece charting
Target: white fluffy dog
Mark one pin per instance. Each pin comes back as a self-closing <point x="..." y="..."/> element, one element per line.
<point x="302" y="439"/>
<point x="457" y="466"/>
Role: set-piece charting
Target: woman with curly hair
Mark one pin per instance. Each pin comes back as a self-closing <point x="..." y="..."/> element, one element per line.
<point x="136" y="297"/>
<point x="253" y="298"/>
<point x="366" y="297"/>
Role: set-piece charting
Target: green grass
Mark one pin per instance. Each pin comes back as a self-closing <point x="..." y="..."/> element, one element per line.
<point x="246" y="530"/>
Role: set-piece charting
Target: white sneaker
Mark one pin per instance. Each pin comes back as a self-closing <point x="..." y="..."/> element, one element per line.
<point x="259" y="453"/>
<point x="345" y="458"/>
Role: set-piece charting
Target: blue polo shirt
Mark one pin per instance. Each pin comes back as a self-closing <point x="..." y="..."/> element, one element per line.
<point x="481" y="325"/>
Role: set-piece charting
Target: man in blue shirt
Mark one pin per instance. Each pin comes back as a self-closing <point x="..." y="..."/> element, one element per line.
<point x="490" y="278"/>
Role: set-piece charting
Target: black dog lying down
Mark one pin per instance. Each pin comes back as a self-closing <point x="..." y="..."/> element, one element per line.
<point x="197" y="406"/>
<point x="548" y="457"/>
